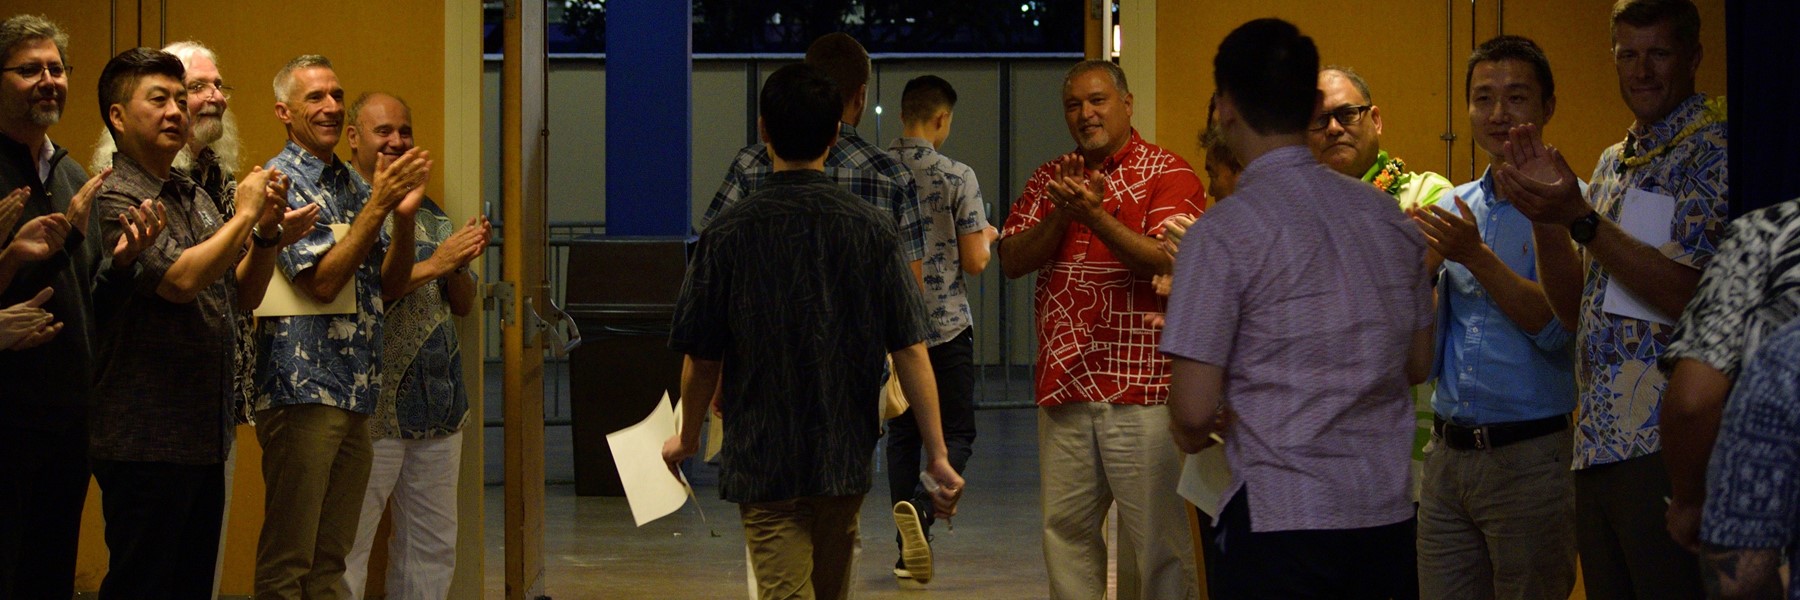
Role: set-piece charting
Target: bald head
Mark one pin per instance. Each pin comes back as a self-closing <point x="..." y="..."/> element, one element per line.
<point x="379" y="123"/>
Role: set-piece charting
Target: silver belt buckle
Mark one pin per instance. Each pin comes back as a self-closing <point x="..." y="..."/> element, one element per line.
<point x="1481" y="442"/>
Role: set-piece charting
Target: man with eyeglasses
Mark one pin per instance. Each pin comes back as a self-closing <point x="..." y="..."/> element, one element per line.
<point x="1649" y="222"/>
<point x="44" y="391"/>
<point x="1347" y="138"/>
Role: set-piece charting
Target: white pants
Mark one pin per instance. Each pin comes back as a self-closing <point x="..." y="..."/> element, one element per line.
<point x="421" y="476"/>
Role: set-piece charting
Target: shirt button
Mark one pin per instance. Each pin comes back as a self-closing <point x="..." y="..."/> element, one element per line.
<point x="1475" y="329"/>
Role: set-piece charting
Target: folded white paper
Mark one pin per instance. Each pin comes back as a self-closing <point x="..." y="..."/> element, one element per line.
<point x="282" y="300"/>
<point x="1646" y="216"/>
<point x="650" y="489"/>
<point x="1204" y="479"/>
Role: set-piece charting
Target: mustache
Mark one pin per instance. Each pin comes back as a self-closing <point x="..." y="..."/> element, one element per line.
<point x="210" y="111"/>
<point x="50" y="95"/>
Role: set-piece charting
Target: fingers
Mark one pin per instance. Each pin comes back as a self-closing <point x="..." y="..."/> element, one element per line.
<point x="43" y="334"/>
<point x="1463" y="208"/>
<point x="42" y="296"/>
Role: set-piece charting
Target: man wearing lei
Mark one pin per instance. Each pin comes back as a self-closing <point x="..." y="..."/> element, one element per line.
<point x="1346" y="136"/>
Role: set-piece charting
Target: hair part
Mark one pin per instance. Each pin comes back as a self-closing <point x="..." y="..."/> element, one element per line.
<point x="1271" y="73"/>
<point x="1682" y="16"/>
<point x="30" y="28"/>
<point x="799" y="111"/>
<point x="353" y="115"/>
<point x="1112" y="70"/>
<point x="844" y="60"/>
<point x="284" y="79"/>
<point x="1356" y="79"/>
<point x="122" y="74"/>
<point x="924" y="96"/>
<point x="1512" y="47"/>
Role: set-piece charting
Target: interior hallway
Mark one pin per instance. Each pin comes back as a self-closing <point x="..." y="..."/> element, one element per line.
<point x="592" y="550"/>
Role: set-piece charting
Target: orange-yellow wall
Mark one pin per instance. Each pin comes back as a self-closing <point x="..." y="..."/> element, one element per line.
<point x="1399" y="48"/>
<point x="397" y="47"/>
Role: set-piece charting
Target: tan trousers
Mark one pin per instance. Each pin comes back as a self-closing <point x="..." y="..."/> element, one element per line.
<point x="1498" y="523"/>
<point x="802" y="548"/>
<point x="316" y="470"/>
<point x="1090" y="455"/>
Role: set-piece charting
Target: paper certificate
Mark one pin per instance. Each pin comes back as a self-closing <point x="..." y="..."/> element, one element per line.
<point x="282" y="300"/>
<point x="1204" y="479"/>
<point x="1646" y="216"/>
<point x="650" y="489"/>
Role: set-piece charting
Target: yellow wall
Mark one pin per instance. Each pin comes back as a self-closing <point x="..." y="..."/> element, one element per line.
<point x="398" y="47"/>
<point x="1399" y="48"/>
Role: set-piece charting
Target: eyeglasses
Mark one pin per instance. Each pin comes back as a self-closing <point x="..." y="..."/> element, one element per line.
<point x="30" y="73"/>
<point x="1345" y="115"/>
<point x="196" y="88"/>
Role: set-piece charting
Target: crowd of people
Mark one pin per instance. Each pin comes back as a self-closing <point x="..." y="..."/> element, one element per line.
<point x="1600" y="368"/>
<point x="133" y="352"/>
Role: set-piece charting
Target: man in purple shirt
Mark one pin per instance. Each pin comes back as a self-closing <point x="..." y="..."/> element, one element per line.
<point x="1291" y="306"/>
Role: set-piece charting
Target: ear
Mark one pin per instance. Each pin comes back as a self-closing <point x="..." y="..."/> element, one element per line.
<point x="1549" y="110"/>
<point x="350" y="131"/>
<point x="1699" y="53"/>
<point x="943" y="119"/>
<point x="281" y="112"/>
<point x="1128" y="99"/>
<point x="1375" y="119"/>
<point x="762" y="131"/>
<point x="115" y="115"/>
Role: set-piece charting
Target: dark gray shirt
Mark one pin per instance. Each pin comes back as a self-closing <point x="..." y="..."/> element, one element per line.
<point x="164" y="392"/>
<point x="801" y="291"/>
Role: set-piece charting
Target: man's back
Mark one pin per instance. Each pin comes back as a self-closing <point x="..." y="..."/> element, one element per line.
<point x="1309" y="281"/>
<point x="800" y="291"/>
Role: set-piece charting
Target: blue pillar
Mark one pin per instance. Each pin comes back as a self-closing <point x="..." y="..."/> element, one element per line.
<point x="649" y="60"/>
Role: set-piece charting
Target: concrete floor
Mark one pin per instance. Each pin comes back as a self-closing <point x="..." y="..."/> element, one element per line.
<point x="593" y="551"/>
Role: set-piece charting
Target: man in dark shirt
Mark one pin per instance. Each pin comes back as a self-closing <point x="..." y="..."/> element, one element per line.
<point x="161" y="421"/>
<point x="794" y="296"/>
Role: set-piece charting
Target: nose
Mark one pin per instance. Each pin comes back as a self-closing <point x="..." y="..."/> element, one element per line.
<point x="1497" y="114"/>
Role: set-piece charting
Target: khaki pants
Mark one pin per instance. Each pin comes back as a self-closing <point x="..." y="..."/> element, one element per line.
<point x="1092" y="454"/>
<point x="316" y="470"/>
<point x="1498" y="523"/>
<point x="802" y="548"/>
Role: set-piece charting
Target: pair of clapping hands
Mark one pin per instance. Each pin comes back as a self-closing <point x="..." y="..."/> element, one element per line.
<point x="1534" y="176"/>
<point x="44" y="236"/>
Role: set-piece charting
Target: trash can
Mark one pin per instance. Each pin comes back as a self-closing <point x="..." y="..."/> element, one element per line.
<point x="621" y="292"/>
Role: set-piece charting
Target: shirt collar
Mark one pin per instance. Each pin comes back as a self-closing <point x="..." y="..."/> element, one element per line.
<point x="910" y="142"/>
<point x="1133" y="144"/>
<point x="1487" y="186"/>
<point x="311" y="168"/>
<point x="1279" y="159"/>
<point x="130" y="177"/>
<point x="1662" y="131"/>
<point x="46" y="158"/>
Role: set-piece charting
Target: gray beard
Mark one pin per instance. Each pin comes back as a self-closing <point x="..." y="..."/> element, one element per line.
<point x="45" y="118"/>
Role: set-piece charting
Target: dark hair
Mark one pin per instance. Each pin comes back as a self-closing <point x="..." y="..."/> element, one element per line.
<point x="1512" y="47"/>
<point x="1644" y="13"/>
<point x="1271" y="73"/>
<point x="844" y="60"/>
<point x="121" y="75"/>
<point x="1356" y="79"/>
<point x="923" y="96"/>
<point x="1212" y="140"/>
<point x="799" y="111"/>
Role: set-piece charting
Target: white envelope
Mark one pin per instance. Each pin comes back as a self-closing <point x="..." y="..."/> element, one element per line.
<point x="282" y="300"/>
<point x="1204" y="479"/>
<point x="1646" y="216"/>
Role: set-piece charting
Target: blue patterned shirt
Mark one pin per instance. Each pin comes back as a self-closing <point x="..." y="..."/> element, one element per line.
<point x="1488" y="370"/>
<point x="422" y="394"/>
<point x="1620" y="384"/>
<point x="856" y="165"/>
<point x="323" y="359"/>
<point x="949" y="206"/>
<point x="1753" y="482"/>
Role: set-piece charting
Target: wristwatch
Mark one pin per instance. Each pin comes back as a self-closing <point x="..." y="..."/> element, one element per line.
<point x="1582" y="230"/>
<point x="256" y="236"/>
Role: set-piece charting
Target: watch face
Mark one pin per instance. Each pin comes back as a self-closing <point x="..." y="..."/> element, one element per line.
<point x="1583" y="229"/>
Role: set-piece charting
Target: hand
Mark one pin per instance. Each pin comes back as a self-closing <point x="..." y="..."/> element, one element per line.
<point x="138" y="227"/>
<point x="40" y="238"/>
<point x="1081" y="193"/>
<point x="11" y="208"/>
<point x="675" y="450"/>
<point x="22" y="321"/>
<point x="1164" y="284"/>
<point x="1683" y="522"/>
<point x="1173" y="229"/>
<point x="1538" y="180"/>
<point x="1451" y="236"/>
<point x="252" y="194"/>
<point x="464" y="246"/>
<point x="297" y="223"/>
<point x="83" y="202"/>
<point x="1222" y="421"/>
<point x="950" y="488"/>
<point x="275" y="200"/>
<point x="397" y="178"/>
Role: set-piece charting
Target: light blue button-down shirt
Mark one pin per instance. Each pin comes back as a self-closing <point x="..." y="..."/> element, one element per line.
<point x="1488" y="370"/>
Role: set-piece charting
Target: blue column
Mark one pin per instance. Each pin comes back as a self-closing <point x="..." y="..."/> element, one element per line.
<point x="649" y="60"/>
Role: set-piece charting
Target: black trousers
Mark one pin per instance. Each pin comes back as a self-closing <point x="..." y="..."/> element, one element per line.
<point x="1374" y="563"/>
<point x="162" y="527"/>
<point x="43" y="486"/>
<point x="953" y="363"/>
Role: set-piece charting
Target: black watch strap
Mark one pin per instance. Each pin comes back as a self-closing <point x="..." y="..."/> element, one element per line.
<point x="262" y="242"/>
<point x="1582" y="230"/>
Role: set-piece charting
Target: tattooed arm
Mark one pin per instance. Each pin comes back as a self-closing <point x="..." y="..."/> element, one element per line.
<point x="1741" y="572"/>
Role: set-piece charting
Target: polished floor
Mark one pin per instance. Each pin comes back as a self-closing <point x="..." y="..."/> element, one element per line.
<point x="592" y="550"/>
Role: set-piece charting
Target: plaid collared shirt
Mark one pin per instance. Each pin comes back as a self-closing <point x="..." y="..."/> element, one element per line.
<point x="854" y="163"/>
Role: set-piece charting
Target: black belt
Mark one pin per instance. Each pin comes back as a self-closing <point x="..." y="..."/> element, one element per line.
<point x="1486" y="437"/>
